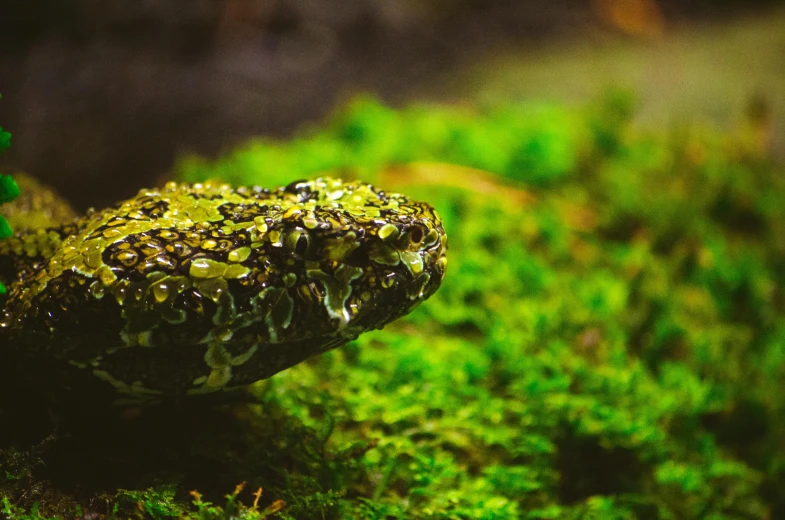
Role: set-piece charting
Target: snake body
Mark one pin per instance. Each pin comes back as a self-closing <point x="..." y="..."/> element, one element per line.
<point x="195" y="288"/>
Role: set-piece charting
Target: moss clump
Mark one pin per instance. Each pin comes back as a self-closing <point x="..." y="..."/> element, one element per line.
<point x="8" y="192"/>
<point x="609" y="341"/>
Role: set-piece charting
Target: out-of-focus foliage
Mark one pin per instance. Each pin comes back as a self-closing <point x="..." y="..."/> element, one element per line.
<point x="609" y="341"/>
<point x="535" y="145"/>
<point x="8" y="191"/>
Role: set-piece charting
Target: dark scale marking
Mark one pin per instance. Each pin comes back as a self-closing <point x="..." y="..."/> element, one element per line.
<point x="242" y="212"/>
<point x="197" y="288"/>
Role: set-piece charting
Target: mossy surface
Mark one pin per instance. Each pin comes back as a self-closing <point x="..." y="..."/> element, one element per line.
<point x="8" y="192"/>
<point x="609" y="342"/>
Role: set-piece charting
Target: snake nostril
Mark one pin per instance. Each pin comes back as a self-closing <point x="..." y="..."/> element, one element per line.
<point x="417" y="234"/>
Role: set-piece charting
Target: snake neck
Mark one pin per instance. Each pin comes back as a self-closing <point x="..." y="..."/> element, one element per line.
<point x="39" y="218"/>
<point x="23" y="254"/>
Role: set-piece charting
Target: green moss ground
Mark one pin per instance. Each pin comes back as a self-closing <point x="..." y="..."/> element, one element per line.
<point x="609" y="342"/>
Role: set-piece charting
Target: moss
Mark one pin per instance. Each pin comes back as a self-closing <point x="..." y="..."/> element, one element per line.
<point x="8" y="192"/>
<point x="608" y="342"/>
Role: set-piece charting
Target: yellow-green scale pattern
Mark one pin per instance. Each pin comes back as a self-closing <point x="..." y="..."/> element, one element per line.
<point x="195" y="288"/>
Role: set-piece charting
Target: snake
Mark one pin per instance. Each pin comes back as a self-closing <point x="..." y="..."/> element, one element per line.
<point x="196" y="288"/>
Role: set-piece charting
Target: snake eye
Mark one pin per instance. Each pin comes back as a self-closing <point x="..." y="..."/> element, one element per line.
<point x="298" y="241"/>
<point x="300" y="188"/>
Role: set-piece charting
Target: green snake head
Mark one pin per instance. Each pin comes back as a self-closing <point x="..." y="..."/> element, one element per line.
<point x="197" y="288"/>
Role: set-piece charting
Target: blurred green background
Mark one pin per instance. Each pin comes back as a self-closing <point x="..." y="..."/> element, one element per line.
<point x="111" y="94"/>
<point x="609" y="341"/>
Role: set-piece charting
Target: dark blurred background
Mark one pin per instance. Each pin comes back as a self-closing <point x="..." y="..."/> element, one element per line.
<point x="103" y="96"/>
